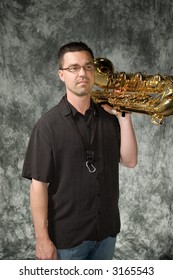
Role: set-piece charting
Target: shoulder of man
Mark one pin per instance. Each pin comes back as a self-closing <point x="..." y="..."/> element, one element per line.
<point x="53" y="114"/>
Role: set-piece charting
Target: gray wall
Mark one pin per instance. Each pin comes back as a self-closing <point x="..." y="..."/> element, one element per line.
<point x="136" y="35"/>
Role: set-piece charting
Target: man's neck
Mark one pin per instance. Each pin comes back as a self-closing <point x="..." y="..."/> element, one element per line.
<point x="80" y="103"/>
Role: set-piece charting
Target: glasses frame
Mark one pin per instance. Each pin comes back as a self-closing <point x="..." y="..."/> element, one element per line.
<point x="79" y="68"/>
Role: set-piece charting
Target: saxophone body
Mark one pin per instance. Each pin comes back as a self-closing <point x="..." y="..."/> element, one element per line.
<point x="139" y="93"/>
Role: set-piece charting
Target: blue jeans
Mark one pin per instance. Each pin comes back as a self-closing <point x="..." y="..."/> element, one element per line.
<point x="90" y="250"/>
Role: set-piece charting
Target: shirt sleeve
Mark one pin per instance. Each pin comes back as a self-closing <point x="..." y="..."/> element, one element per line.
<point x="38" y="162"/>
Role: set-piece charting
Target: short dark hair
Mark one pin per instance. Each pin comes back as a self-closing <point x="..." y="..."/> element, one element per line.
<point x="72" y="47"/>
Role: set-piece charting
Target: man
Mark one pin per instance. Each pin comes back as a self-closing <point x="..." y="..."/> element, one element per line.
<point x="72" y="159"/>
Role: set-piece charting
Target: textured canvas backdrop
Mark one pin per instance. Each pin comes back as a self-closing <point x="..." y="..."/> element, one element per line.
<point x="136" y="35"/>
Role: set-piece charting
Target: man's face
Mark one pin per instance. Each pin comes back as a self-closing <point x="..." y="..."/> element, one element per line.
<point x="79" y="83"/>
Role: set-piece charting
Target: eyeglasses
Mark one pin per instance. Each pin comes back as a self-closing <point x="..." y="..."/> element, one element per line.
<point x="76" y="68"/>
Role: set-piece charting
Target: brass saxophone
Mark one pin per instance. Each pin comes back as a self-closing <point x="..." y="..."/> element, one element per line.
<point x="140" y="93"/>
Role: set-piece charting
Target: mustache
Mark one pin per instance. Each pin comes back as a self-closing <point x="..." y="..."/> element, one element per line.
<point x="84" y="79"/>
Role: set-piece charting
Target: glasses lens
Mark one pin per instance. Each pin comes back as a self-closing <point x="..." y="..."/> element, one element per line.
<point x="74" y="69"/>
<point x="89" y="67"/>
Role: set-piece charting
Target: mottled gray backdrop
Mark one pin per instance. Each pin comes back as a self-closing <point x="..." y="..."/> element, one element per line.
<point x="137" y="35"/>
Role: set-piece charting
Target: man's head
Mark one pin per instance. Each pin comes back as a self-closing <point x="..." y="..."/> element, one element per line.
<point x="72" y="47"/>
<point x="76" y="68"/>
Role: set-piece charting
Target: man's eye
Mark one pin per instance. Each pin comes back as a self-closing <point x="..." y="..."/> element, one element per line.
<point x="74" y="68"/>
<point x="88" y="67"/>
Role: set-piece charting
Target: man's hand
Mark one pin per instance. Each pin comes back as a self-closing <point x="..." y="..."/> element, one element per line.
<point x="45" y="250"/>
<point x="110" y="110"/>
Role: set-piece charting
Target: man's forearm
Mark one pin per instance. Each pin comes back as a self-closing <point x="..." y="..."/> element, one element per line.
<point x="128" y="149"/>
<point x="45" y="249"/>
<point x="39" y="206"/>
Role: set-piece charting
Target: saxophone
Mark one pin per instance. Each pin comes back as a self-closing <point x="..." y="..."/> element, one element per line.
<point x="139" y="93"/>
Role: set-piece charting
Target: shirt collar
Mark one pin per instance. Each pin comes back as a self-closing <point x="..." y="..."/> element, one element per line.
<point x="73" y="110"/>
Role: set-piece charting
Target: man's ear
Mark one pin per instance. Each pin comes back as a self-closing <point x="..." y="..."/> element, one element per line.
<point x="61" y="75"/>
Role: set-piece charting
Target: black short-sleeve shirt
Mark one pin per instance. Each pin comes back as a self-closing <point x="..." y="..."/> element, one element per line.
<point x="81" y="205"/>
